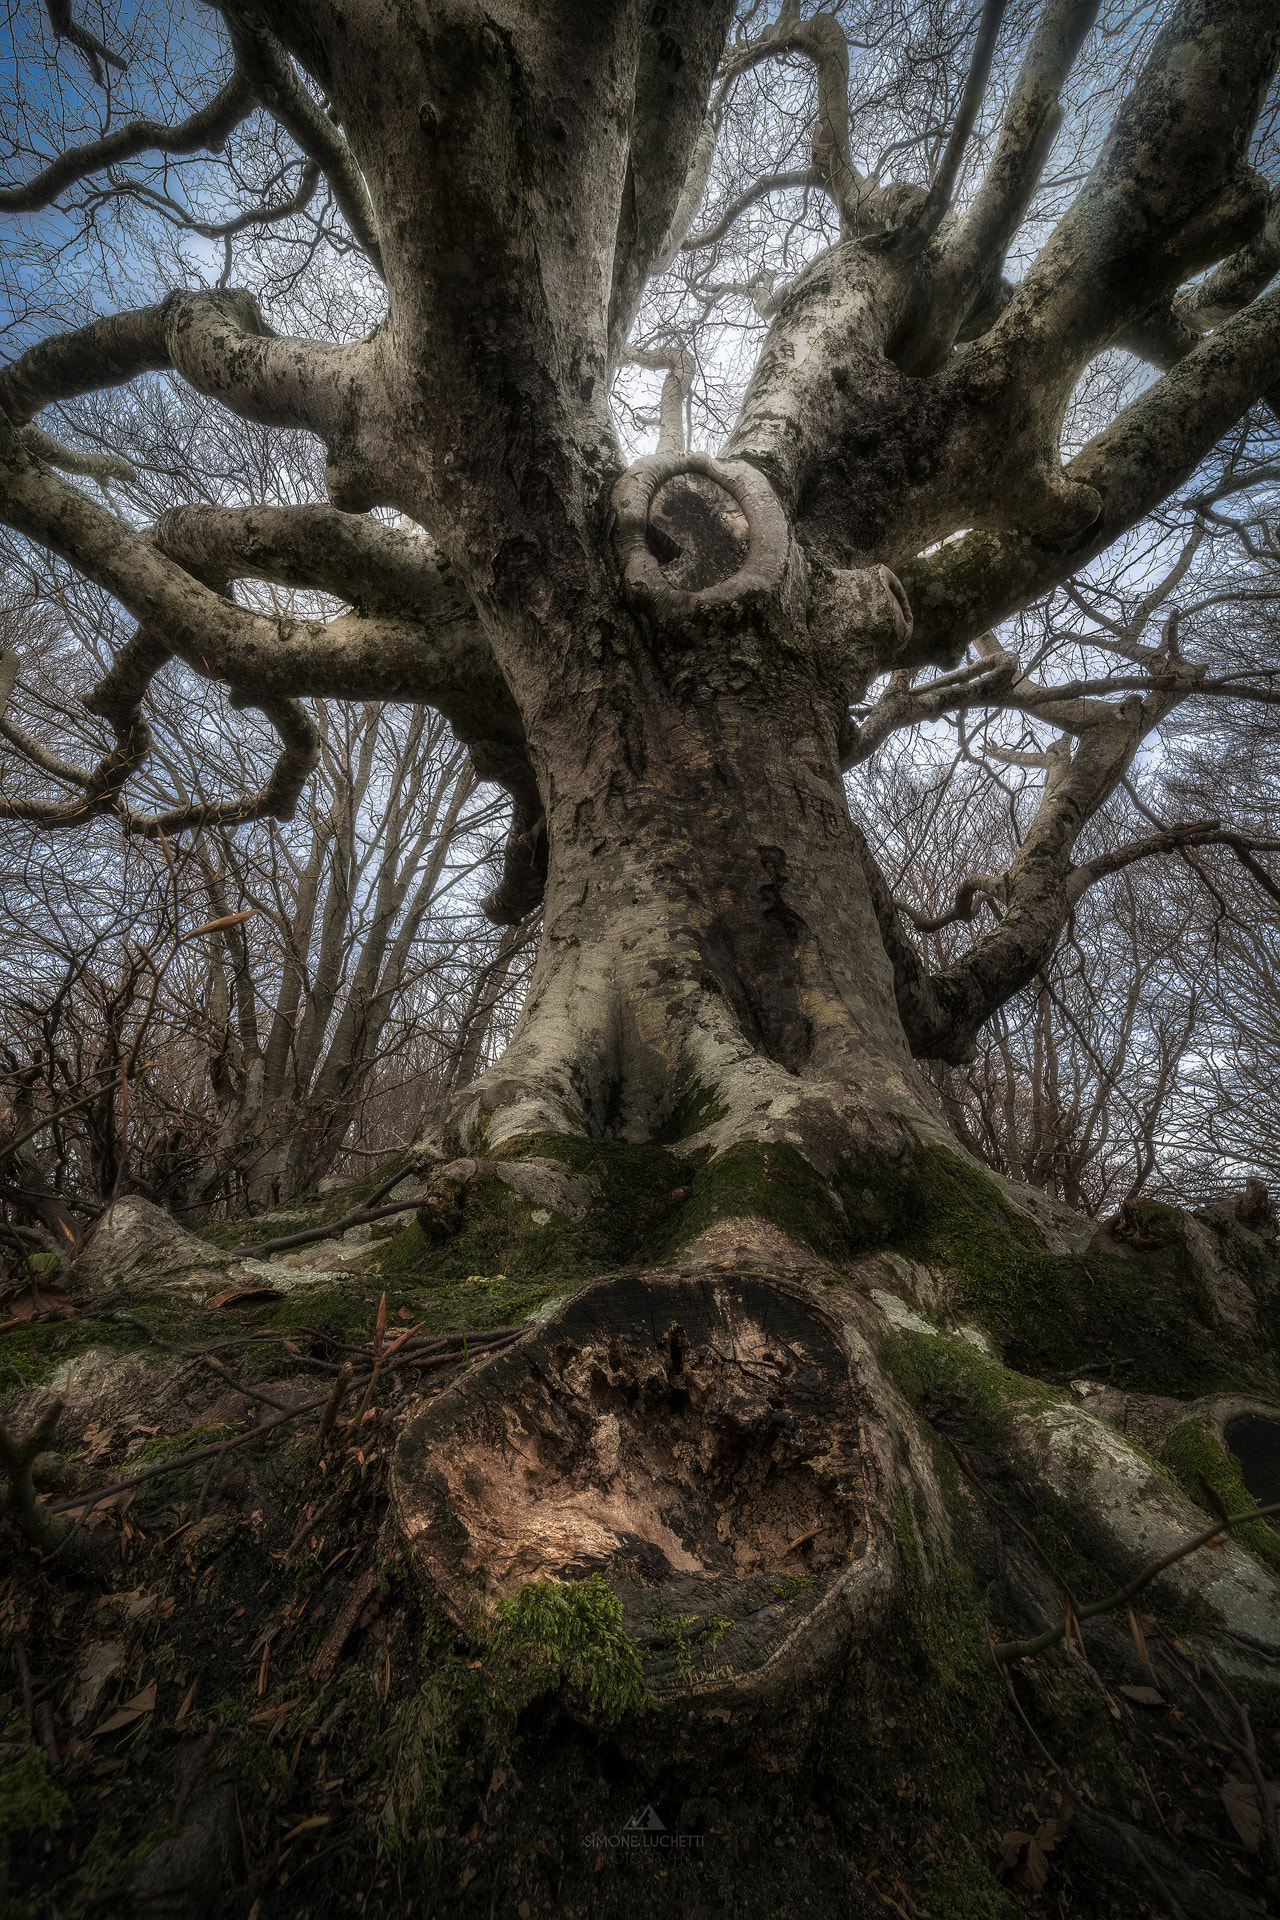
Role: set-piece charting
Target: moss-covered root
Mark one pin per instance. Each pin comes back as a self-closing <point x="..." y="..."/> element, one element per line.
<point x="1198" y="1461"/>
<point x="1120" y="1507"/>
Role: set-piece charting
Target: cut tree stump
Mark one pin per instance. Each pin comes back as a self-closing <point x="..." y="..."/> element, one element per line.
<point x="704" y="1445"/>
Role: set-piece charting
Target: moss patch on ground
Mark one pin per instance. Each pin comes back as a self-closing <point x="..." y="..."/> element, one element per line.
<point x="32" y="1352"/>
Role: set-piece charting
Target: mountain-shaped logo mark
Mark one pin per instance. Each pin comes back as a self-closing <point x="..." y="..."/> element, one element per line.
<point x="649" y="1821"/>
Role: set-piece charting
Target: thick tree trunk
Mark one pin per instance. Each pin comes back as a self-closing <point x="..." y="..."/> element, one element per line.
<point x="735" y="1436"/>
<point x="711" y="962"/>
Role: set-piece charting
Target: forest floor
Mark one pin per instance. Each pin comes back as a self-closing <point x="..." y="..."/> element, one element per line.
<point x="238" y="1703"/>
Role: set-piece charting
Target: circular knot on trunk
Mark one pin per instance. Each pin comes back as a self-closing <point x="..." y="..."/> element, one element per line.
<point x="695" y="535"/>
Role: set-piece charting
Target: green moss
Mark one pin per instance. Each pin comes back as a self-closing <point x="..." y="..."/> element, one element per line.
<point x="347" y="1309"/>
<point x="526" y="1261"/>
<point x="674" y="1628"/>
<point x="698" y="1107"/>
<point x="310" y="1210"/>
<point x="167" y="1445"/>
<point x="29" y="1804"/>
<point x="967" y="1891"/>
<point x="421" y="1758"/>
<point x="575" y="1630"/>
<point x="148" y="1844"/>
<point x="30" y="1354"/>
<point x="1192" y="1450"/>
<point x="936" y="1373"/>
<point x="717" y="1625"/>
<point x="793" y="1584"/>
<point x="29" y="1801"/>
<point x="772" y="1182"/>
<point x="549" y="1637"/>
<point x="1074" y="1717"/>
<point x="1144" y="1321"/>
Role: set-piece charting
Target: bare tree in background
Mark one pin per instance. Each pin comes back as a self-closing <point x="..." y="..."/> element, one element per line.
<point x="341" y="935"/>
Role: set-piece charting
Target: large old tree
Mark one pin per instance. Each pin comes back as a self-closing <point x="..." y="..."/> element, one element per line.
<point x="658" y="658"/>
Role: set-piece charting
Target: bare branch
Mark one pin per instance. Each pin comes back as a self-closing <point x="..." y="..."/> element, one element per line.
<point x="973" y="254"/>
<point x="280" y="90"/>
<point x="65" y="28"/>
<point x="938" y="203"/>
<point x="1149" y="450"/>
<point x="205" y="130"/>
<point x="772" y="183"/>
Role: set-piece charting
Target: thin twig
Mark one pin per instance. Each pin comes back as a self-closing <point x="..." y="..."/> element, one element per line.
<point x="185" y="1459"/>
<point x="250" y="1393"/>
<point x="1019" y="1649"/>
<point x="1244" y="1750"/>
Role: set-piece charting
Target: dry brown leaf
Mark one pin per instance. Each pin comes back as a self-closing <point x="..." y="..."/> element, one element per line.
<point x="1026" y="1854"/>
<point x="1145" y="1696"/>
<point x="34" y="1300"/>
<point x="101" y="1508"/>
<point x="233" y="1296"/>
<point x="132" y="1710"/>
<point x="98" y="1439"/>
<point x="1240" y="1798"/>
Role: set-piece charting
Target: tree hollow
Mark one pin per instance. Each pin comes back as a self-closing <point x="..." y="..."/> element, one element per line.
<point x="697" y="1442"/>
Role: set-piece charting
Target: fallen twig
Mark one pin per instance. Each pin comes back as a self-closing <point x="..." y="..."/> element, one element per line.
<point x="184" y="1459"/>
<point x="1020" y="1649"/>
<point x="239" y="1386"/>
<point x="358" y="1217"/>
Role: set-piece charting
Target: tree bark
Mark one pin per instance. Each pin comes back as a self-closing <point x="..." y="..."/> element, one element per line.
<point x="709" y="943"/>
